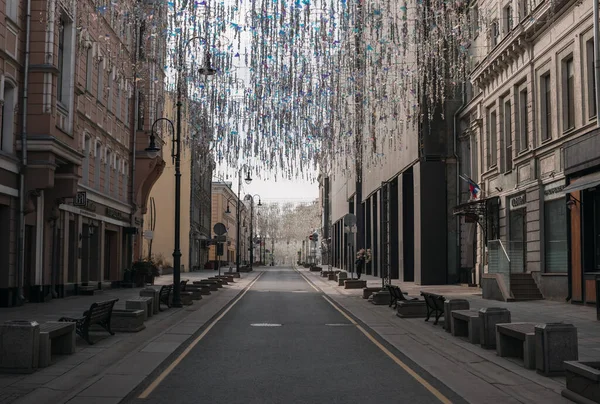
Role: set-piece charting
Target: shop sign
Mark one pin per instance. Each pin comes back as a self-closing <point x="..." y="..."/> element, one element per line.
<point x="80" y="199"/>
<point x="518" y="202"/>
<point x="554" y="190"/>
<point x="113" y="213"/>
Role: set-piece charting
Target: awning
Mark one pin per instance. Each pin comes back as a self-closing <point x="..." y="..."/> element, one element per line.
<point x="587" y="181"/>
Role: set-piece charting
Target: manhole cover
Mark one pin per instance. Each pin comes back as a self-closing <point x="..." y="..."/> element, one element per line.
<point x="265" y="325"/>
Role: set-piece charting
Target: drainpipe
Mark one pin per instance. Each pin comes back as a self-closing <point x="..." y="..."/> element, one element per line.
<point x="21" y="245"/>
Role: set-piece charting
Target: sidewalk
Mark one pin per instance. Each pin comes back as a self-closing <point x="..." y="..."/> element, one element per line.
<point x="476" y="374"/>
<point x="111" y="368"/>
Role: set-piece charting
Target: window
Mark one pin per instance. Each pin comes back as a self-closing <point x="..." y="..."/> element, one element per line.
<point x="140" y="111"/>
<point x="89" y="64"/>
<point x="61" y="61"/>
<point x="7" y="129"/>
<point x="507" y="136"/>
<point x="118" y="104"/>
<point x="474" y="20"/>
<point x="494" y="33"/>
<point x="11" y="9"/>
<point x="118" y="170"/>
<point x="546" y="106"/>
<point x="523" y="9"/>
<point x="109" y="102"/>
<point x="523" y="121"/>
<point x="141" y="36"/>
<point x="98" y="159"/>
<point x="126" y="112"/>
<point x="100" y="82"/>
<point x="555" y="235"/>
<point x="568" y="94"/>
<point x="591" y="78"/>
<point x="507" y="19"/>
<point x="86" y="161"/>
<point x="107" y="173"/>
<point x="492" y="139"/>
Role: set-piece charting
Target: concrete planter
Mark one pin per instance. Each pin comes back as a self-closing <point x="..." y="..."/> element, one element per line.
<point x="583" y="381"/>
<point x="331" y="277"/>
<point x="127" y="320"/>
<point x="354" y="284"/>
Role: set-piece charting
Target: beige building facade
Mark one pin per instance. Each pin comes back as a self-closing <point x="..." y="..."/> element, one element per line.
<point x="224" y="206"/>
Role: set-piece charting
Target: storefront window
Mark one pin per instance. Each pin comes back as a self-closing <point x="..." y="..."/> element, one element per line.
<point x="555" y="236"/>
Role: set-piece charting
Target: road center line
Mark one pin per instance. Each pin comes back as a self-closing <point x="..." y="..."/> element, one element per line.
<point x="187" y="350"/>
<point x="386" y="351"/>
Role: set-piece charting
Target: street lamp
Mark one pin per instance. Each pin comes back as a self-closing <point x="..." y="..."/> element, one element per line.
<point x="251" y="198"/>
<point x="152" y="150"/>
<point x="248" y="180"/>
<point x="206" y="70"/>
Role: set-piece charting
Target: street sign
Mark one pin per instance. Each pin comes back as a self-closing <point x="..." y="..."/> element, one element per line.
<point x="219" y="229"/>
<point x="221" y="239"/>
<point x="349" y="220"/>
<point x="80" y="199"/>
<point x="148" y="234"/>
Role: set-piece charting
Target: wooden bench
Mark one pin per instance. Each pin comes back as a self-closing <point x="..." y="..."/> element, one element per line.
<point x="164" y="296"/>
<point x="517" y="340"/>
<point x="396" y="295"/>
<point x="56" y="338"/>
<point x="466" y="323"/>
<point x="99" y="313"/>
<point x="434" y="304"/>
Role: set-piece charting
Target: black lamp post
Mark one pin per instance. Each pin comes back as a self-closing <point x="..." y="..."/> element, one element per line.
<point x="248" y="180"/>
<point x="206" y="70"/>
<point x="251" y="198"/>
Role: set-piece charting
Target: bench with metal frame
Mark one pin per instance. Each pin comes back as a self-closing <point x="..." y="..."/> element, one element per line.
<point x="434" y="304"/>
<point x="396" y="295"/>
<point x="99" y="313"/>
<point x="164" y="296"/>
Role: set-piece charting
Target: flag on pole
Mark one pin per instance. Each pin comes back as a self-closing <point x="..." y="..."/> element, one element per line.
<point x="474" y="189"/>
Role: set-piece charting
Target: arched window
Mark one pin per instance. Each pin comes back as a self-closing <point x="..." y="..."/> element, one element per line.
<point x="8" y="118"/>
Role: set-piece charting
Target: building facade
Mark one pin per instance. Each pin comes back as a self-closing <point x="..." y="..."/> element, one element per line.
<point x="395" y="177"/>
<point x="525" y="134"/>
<point x="224" y="205"/>
<point x="196" y="173"/>
<point x="85" y="177"/>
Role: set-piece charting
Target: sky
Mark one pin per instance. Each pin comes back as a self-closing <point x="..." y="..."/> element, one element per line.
<point x="281" y="190"/>
<point x="276" y="191"/>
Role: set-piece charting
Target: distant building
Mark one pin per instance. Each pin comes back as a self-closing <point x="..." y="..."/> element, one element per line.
<point x="224" y="205"/>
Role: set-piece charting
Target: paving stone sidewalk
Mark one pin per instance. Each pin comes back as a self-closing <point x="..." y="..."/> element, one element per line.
<point x="476" y="374"/>
<point x="110" y="369"/>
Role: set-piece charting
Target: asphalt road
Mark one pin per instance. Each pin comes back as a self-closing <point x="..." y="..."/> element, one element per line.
<point x="282" y="342"/>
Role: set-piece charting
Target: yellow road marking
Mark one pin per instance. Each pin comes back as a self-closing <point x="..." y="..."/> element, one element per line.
<point x="187" y="350"/>
<point x="393" y="357"/>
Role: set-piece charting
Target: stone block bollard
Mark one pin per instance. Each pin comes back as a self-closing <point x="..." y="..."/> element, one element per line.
<point x="555" y="343"/>
<point x="451" y="305"/>
<point x="488" y="318"/>
<point x="154" y="293"/>
<point x="19" y="346"/>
